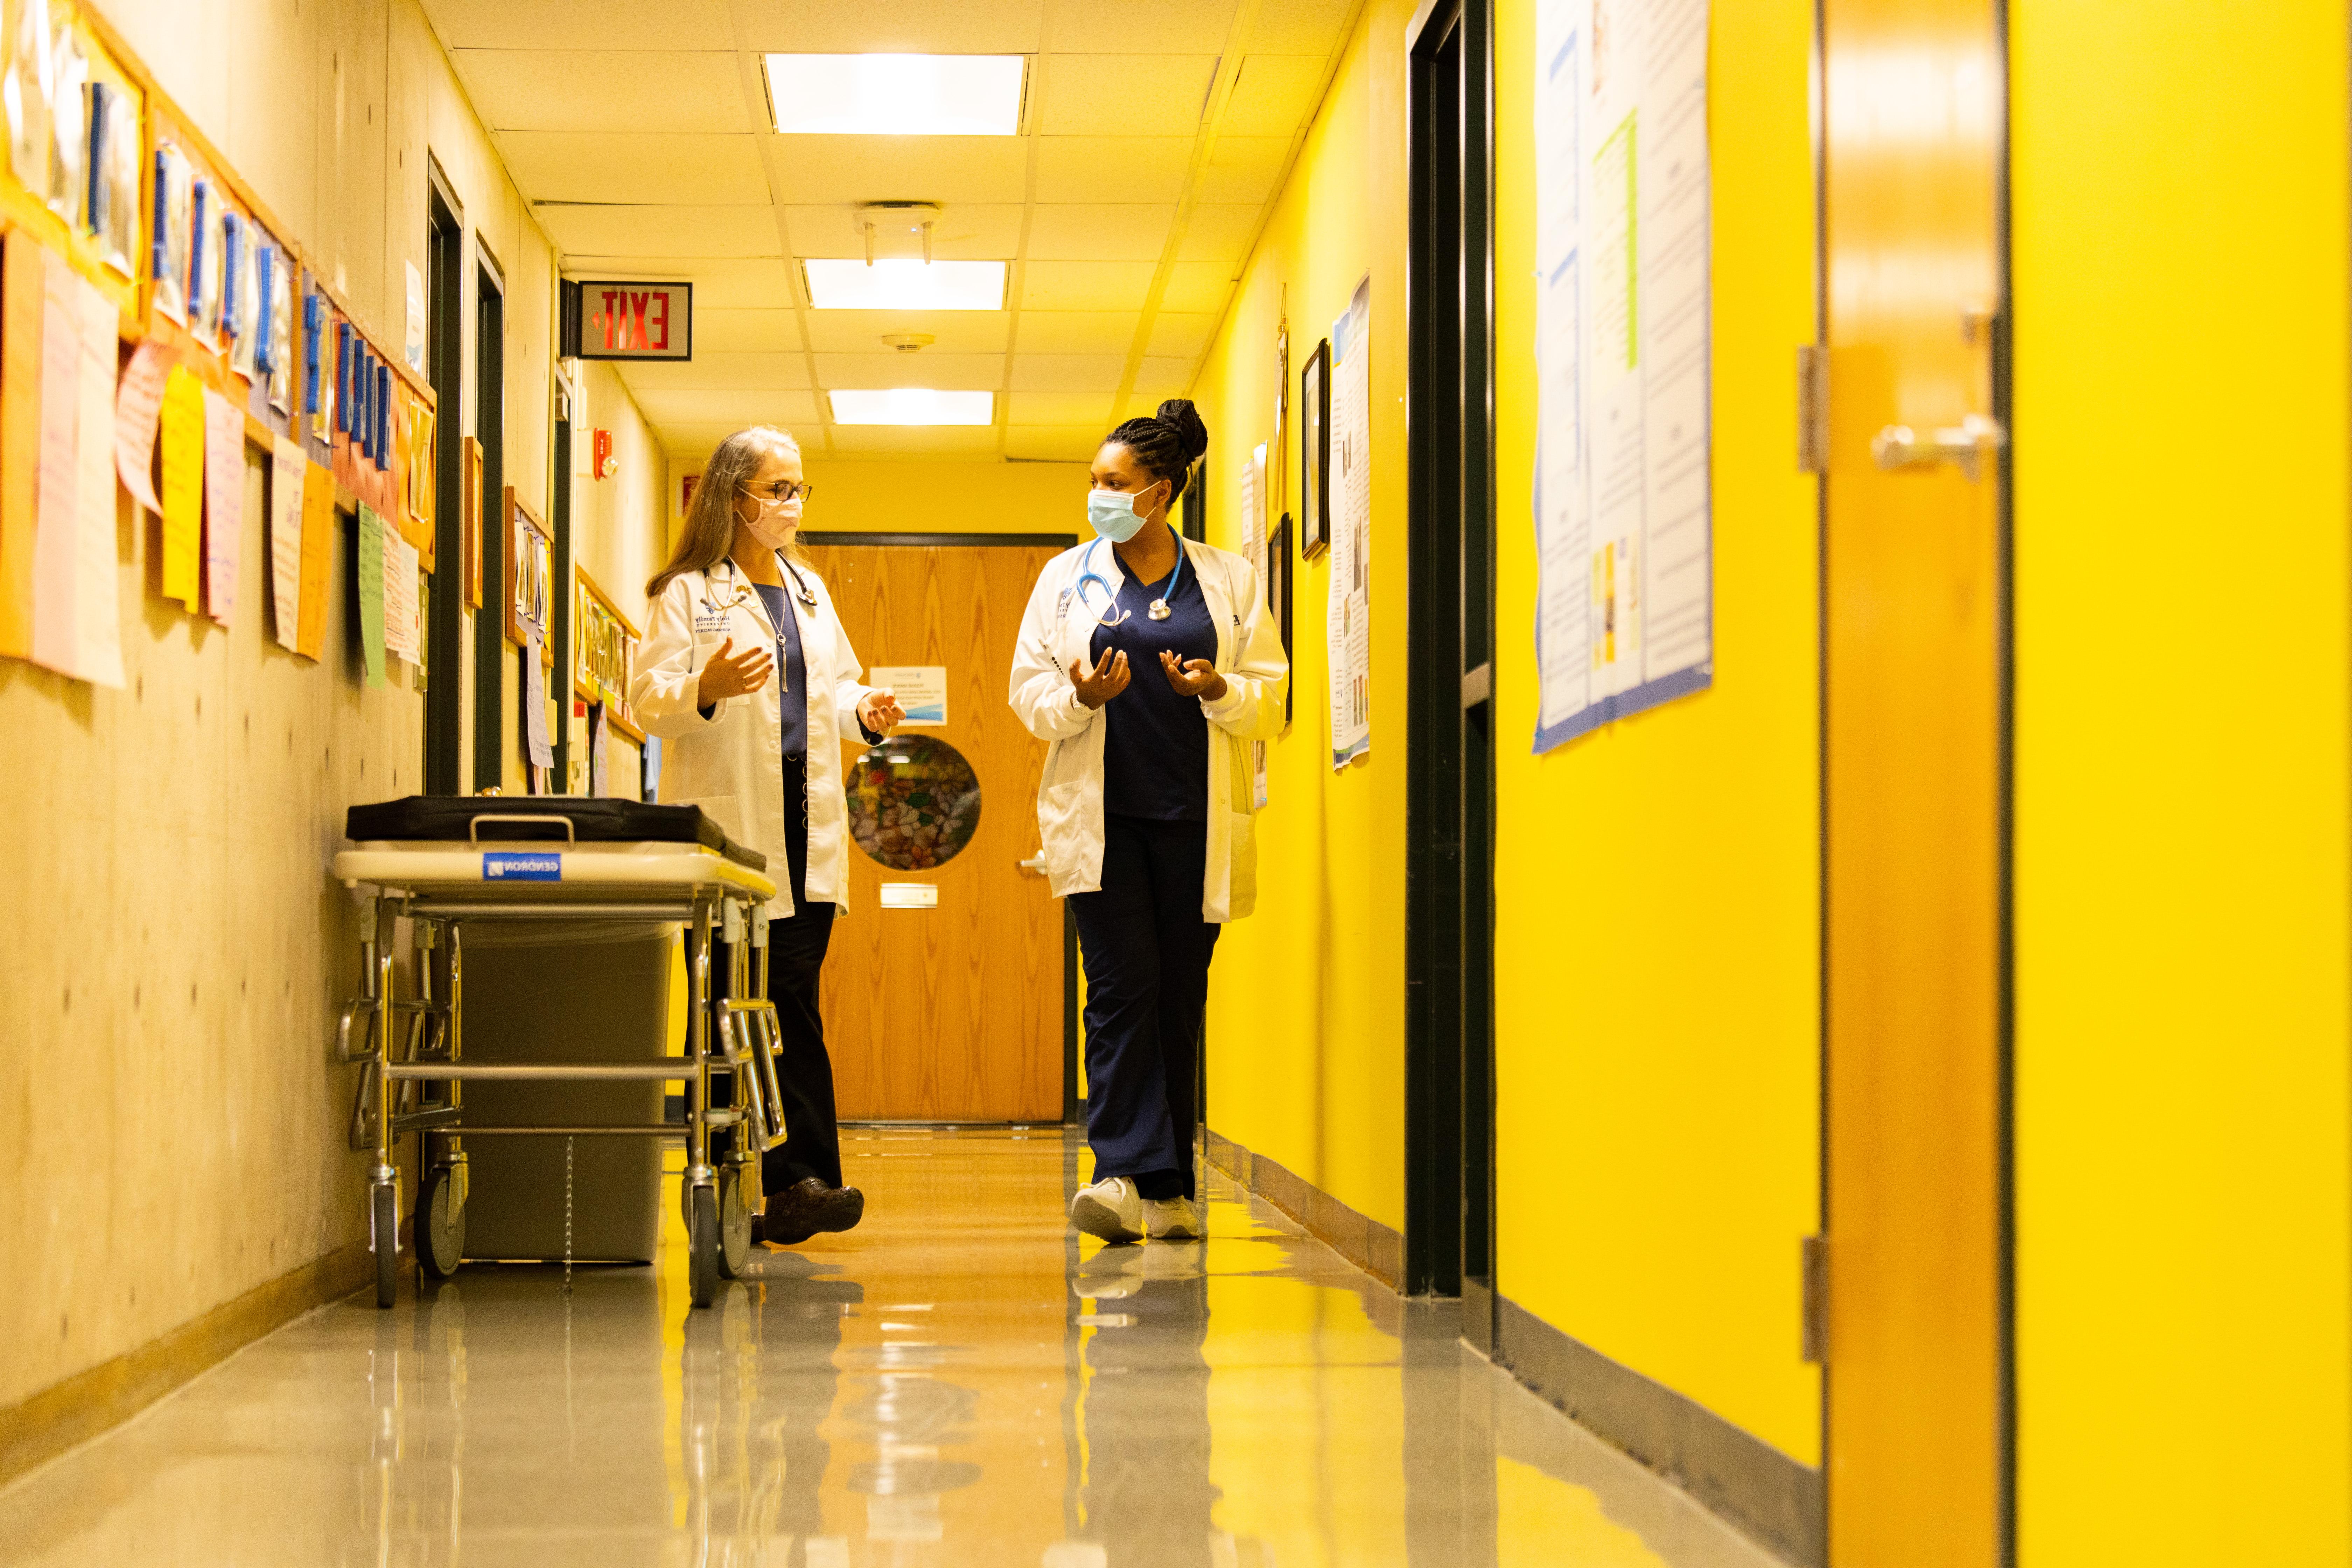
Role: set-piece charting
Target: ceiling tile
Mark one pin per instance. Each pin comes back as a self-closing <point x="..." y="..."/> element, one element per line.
<point x="852" y="169"/>
<point x="1124" y="95"/>
<point x="718" y="372"/>
<point x="1243" y="168"/>
<point x="965" y="232"/>
<point x="893" y="27"/>
<point x="719" y="232"/>
<point x="1194" y="286"/>
<point x="944" y="373"/>
<point x="1060" y="443"/>
<point x="1089" y="409"/>
<point x="707" y="169"/>
<point x="717" y="284"/>
<point x="736" y="331"/>
<point x="1275" y="95"/>
<point x="1068" y="372"/>
<point x="1073" y="232"/>
<point x="1158" y="378"/>
<point x="603" y="90"/>
<point x="1219" y="233"/>
<point x="1182" y="335"/>
<point x="1112" y="168"/>
<point x="1077" y="331"/>
<point x="1138" y="27"/>
<point x="1300" y="27"/>
<point x="694" y="440"/>
<point x="1085" y="285"/>
<point x="738" y="408"/>
<point x="954" y="331"/>
<point x="580" y="24"/>
<point x="913" y="440"/>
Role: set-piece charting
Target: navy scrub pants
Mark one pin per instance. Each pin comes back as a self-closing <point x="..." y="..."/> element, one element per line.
<point x="1146" y="948"/>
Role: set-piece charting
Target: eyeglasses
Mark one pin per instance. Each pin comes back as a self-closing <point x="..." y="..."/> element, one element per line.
<point x="783" y="489"/>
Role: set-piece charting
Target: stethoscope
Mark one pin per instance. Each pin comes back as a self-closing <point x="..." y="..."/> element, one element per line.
<point x="800" y="590"/>
<point x="1159" y="610"/>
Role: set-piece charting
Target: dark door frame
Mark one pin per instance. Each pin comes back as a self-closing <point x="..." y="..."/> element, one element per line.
<point x="445" y="692"/>
<point x="489" y="431"/>
<point x="559" y="512"/>
<point x="1449" y="731"/>
<point x="1072" y="1110"/>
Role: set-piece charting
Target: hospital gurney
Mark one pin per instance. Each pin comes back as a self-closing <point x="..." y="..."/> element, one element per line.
<point x="447" y="862"/>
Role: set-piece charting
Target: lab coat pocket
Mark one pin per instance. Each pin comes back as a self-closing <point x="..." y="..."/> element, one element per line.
<point x="1059" y="807"/>
<point x="722" y="809"/>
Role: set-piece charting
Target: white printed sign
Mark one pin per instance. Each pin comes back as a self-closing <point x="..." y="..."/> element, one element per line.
<point x="922" y="690"/>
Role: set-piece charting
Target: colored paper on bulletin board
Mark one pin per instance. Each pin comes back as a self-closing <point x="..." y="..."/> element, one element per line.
<point x="318" y="560"/>
<point x="400" y="597"/>
<point x="534" y="703"/>
<point x="286" y="466"/>
<point x="97" y="609"/>
<point x="77" y="616"/>
<point x="369" y="556"/>
<point x="224" y="504"/>
<point x="21" y="309"/>
<point x="138" y="402"/>
<point x="183" y="429"/>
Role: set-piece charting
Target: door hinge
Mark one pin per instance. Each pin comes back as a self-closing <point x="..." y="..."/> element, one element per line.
<point x="1813" y="409"/>
<point x="1813" y="1265"/>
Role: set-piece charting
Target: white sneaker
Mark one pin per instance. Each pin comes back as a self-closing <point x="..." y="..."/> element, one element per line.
<point x="1171" y="1219"/>
<point x="1111" y="1209"/>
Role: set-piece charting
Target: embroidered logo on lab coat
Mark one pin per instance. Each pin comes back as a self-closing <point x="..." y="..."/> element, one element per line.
<point x="710" y="617"/>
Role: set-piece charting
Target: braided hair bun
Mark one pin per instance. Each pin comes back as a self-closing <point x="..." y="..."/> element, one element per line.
<point x="1165" y="444"/>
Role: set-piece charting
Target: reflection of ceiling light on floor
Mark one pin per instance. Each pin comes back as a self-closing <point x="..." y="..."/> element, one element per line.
<point x="901" y="284"/>
<point x="913" y="405"/>
<point x="896" y="95"/>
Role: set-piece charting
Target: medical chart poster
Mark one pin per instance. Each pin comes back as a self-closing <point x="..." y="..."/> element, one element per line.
<point x="1623" y="513"/>
<point x="1348" y="606"/>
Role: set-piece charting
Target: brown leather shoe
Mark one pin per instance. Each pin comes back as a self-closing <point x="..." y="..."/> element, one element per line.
<point x="807" y="1207"/>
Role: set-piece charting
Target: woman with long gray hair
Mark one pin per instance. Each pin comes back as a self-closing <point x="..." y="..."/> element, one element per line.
<point x="749" y="679"/>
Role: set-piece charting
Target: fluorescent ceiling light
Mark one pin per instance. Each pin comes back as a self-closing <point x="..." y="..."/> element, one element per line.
<point x="913" y="405"/>
<point x="896" y="95"/>
<point x="905" y="285"/>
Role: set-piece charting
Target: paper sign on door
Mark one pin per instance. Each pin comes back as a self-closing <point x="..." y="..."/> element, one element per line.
<point x="922" y="690"/>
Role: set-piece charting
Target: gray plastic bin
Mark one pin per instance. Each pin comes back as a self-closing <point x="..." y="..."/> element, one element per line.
<point x="565" y="991"/>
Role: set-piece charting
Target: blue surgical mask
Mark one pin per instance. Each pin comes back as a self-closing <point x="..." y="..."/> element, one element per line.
<point x="1113" y="514"/>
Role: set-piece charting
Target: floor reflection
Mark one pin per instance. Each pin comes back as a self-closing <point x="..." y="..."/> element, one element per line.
<point x="959" y="1381"/>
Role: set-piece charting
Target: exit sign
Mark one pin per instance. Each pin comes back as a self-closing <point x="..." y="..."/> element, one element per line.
<point x="606" y="319"/>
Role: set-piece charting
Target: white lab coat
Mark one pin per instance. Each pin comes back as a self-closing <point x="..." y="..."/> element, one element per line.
<point x="1057" y="629"/>
<point x="732" y="764"/>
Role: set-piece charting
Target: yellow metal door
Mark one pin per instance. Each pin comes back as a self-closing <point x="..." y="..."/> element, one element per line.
<point x="945" y="1011"/>
<point x="1913" y="143"/>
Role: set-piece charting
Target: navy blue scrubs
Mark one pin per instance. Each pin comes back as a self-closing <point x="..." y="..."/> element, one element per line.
<point x="1145" y="946"/>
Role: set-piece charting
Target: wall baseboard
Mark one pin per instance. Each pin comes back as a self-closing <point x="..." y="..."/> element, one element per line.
<point x="1376" y="1249"/>
<point x="1739" y="1475"/>
<point x="87" y="1404"/>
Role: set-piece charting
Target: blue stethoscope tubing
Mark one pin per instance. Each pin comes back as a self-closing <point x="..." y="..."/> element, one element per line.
<point x="1089" y="575"/>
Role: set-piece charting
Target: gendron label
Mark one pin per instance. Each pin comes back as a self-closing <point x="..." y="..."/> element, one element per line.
<point x="512" y="868"/>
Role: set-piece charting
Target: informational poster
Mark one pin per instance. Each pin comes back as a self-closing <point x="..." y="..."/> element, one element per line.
<point x="76" y="608"/>
<point x="400" y="597"/>
<point x="1624" y="616"/>
<point x="922" y="691"/>
<point x="367" y="558"/>
<point x="224" y="502"/>
<point x="286" y="466"/>
<point x="1348" y="611"/>
<point x="537" y="748"/>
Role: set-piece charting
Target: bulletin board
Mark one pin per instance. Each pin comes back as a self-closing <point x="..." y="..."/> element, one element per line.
<point x="529" y="570"/>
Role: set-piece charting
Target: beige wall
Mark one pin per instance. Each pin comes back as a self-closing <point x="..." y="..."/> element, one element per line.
<point x="172" y="1122"/>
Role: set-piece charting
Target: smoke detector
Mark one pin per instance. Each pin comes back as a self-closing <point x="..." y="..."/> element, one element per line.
<point x="908" y="342"/>
<point x="893" y="223"/>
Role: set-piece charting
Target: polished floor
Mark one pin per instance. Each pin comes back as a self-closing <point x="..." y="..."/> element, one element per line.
<point x="957" y="1382"/>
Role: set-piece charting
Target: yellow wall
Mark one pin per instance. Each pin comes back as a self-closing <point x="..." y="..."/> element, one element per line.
<point x="1656" y="952"/>
<point x="929" y="496"/>
<point x="2182" y="638"/>
<point x="1306" y="1023"/>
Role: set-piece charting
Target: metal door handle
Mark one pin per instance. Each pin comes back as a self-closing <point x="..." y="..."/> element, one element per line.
<point x="1966" y="444"/>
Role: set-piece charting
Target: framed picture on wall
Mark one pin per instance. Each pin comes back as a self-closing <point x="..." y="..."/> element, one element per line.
<point x="469" y="518"/>
<point x="1277" y="594"/>
<point x="530" y="591"/>
<point x="1315" y="453"/>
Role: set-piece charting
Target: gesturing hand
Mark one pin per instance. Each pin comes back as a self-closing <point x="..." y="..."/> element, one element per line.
<point x="1192" y="678"/>
<point x="880" y="710"/>
<point x="1097" y="684"/>
<point x="724" y="677"/>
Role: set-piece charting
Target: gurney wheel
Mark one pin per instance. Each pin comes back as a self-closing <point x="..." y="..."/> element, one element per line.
<point x="734" y="1222"/>
<point x="384" y="1228"/>
<point x="440" y="1230"/>
<point x="702" y="1254"/>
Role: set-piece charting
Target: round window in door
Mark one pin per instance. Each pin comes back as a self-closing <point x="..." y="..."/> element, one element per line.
<point x="914" y="803"/>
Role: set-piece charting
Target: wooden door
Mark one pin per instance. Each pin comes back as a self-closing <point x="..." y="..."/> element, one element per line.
<point x="952" y="1012"/>
<point x="1913" y="146"/>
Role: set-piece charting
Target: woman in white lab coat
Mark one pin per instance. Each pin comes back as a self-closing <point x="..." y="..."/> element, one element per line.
<point x="748" y="679"/>
<point x="1151" y="663"/>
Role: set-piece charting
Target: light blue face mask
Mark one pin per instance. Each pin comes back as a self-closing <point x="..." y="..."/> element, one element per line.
<point x="1113" y="514"/>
